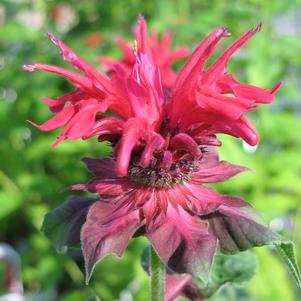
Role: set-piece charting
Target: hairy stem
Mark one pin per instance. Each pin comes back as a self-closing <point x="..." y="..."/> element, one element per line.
<point x="157" y="274"/>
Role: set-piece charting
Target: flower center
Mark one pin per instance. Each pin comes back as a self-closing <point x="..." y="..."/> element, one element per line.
<point x="159" y="177"/>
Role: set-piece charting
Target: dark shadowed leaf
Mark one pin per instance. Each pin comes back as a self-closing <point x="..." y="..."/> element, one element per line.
<point x="239" y="229"/>
<point x="63" y="224"/>
<point x="145" y="261"/>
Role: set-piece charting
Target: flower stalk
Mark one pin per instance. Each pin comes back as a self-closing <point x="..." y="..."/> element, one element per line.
<point x="157" y="274"/>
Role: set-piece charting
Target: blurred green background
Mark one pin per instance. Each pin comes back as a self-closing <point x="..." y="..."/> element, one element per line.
<point x="33" y="177"/>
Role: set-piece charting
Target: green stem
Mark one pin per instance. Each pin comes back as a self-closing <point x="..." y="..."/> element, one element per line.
<point x="157" y="274"/>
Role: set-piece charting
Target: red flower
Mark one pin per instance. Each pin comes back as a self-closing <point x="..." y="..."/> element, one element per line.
<point x="163" y="150"/>
<point x="159" y="50"/>
<point x="195" y="108"/>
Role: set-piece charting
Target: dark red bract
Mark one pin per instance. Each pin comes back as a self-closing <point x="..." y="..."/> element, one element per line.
<point x="165" y="205"/>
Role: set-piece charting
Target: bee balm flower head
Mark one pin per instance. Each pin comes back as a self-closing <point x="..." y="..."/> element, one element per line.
<point x="164" y="152"/>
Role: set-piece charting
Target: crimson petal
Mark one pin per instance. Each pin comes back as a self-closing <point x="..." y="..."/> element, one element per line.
<point x="78" y="62"/>
<point x="134" y="130"/>
<point x="56" y="121"/>
<point x="77" y="79"/>
<point x="198" y="53"/>
<point x="217" y="69"/>
<point x="183" y="141"/>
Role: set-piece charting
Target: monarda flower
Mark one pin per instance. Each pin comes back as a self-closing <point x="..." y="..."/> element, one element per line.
<point x="164" y="151"/>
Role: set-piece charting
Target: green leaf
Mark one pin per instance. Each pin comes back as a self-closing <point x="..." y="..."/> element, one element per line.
<point x="237" y="268"/>
<point x="232" y="293"/>
<point x="286" y="250"/>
